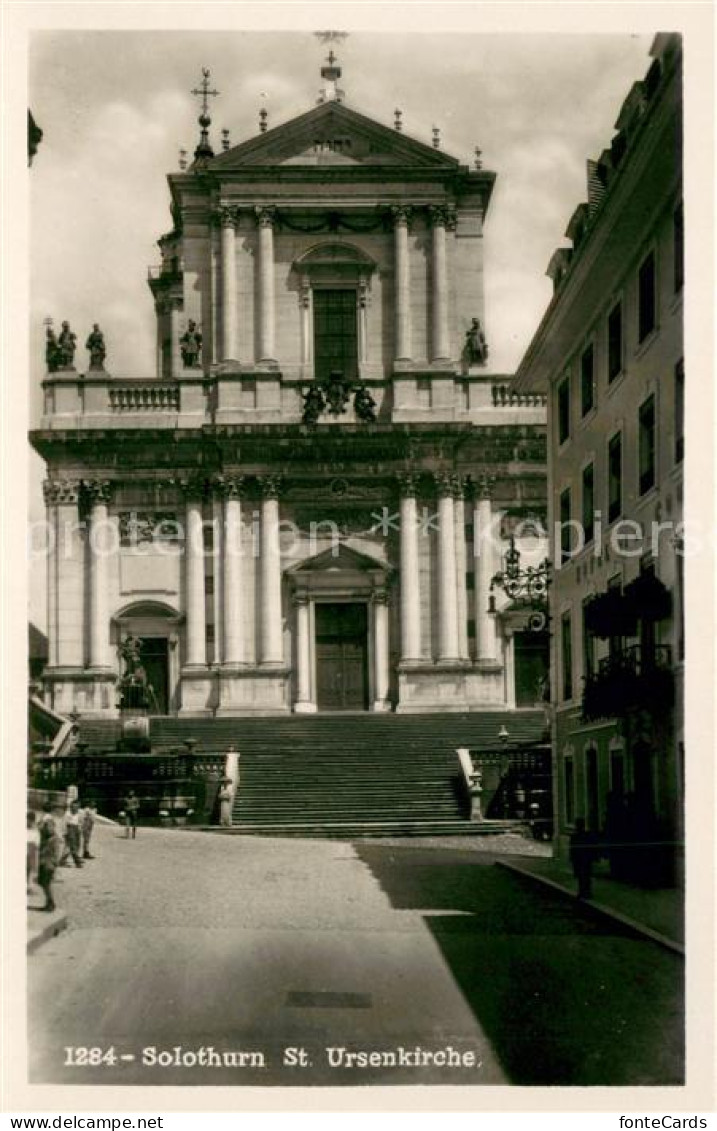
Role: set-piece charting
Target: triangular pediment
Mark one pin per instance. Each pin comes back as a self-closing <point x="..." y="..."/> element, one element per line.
<point x="332" y="134"/>
<point x="340" y="559"/>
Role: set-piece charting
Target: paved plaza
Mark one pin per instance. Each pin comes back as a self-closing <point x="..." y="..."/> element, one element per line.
<point x="202" y="960"/>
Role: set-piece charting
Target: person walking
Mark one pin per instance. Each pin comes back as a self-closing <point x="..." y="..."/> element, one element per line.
<point x="73" y="837"/>
<point x="225" y="796"/>
<point x="582" y="854"/>
<point x="131" y="811"/>
<point x="48" y="857"/>
<point x="87" y="823"/>
<point x="33" y="846"/>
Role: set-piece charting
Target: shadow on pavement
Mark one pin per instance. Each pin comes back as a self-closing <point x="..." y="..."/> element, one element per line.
<point x="564" y="998"/>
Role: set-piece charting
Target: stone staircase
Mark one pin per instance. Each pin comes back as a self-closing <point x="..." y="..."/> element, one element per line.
<point x="350" y="775"/>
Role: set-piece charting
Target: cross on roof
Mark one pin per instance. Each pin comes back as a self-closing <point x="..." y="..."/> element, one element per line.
<point x="204" y="92"/>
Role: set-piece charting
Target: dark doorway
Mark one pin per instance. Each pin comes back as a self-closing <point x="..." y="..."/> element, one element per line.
<point x="154" y="653"/>
<point x="335" y="334"/>
<point x="592" y="790"/>
<point x="341" y="657"/>
<point x="531" y="667"/>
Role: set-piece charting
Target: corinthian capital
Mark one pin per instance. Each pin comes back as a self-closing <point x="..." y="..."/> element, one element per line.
<point x="402" y="214"/>
<point x="229" y="486"/>
<point x="483" y="485"/>
<point x="193" y="487"/>
<point x="448" y="483"/>
<point x="442" y="216"/>
<point x="407" y="485"/>
<point x="225" y="216"/>
<point x="97" y="491"/>
<point x="265" y="216"/>
<point x="270" y="486"/>
<point x="61" y="491"/>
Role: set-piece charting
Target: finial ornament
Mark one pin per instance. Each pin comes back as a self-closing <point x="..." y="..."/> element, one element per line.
<point x="182" y="159"/>
<point x="204" y="148"/>
<point x="225" y="140"/>
<point x="478" y="153"/>
<point x="263" y="115"/>
<point x="397" y="124"/>
<point x="331" y="72"/>
<point x="436" y="137"/>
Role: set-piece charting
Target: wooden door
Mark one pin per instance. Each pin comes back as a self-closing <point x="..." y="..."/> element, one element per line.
<point x="341" y="657"/>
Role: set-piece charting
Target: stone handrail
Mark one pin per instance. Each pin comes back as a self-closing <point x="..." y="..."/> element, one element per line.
<point x="504" y="396"/>
<point x="472" y="780"/>
<point x="149" y="397"/>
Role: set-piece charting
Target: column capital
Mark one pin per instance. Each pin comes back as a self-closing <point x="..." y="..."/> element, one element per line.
<point x="192" y="487"/>
<point x="228" y="486"/>
<point x="483" y="485"/>
<point x="380" y="597"/>
<point x="270" y="486"/>
<point x="265" y="216"/>
<point x="300" y="600"/>
<point x="449" y="484"/>
<point x="97" y="491"/>
<point x="225" y="216"/>
<point x="401" y="214"/>
<point x="408" y="484"/>
<point x="59" y="491"/>
<point x="442" y="216"/>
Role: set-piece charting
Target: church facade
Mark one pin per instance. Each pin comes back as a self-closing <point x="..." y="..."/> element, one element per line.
<point x="303" y="507"/>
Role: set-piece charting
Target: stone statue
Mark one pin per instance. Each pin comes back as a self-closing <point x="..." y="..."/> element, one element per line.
<point x="338" y="391"/>
<point x="476" y="346"/>
<point x="66" y="345"/>
<point x="364" y="405"/>
<point x="191" y="345"/>
<point x="130" y="649"/>
<point x="314" y="405"/>
<point x="96" y="345"/>
<point x="52" y="351"/>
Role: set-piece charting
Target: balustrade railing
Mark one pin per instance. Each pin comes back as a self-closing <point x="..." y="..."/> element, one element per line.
<point x="504" y="396"/>
<point x="632" y="679"/>
<point x="152" y="397"/>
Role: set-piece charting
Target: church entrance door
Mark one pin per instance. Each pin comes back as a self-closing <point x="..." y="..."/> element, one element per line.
<point x="342" y="657"/>
<point x="335" y="333"/>
<point x="154" y="653"/>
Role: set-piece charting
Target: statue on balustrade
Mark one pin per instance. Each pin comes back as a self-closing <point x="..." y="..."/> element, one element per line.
<point x="476" y="347"/>
<point x="314" y="405"/>
<point x="66" y="345"/>
<point x="364" y="405"/>
<point x="96" y="345"/>
<point x="338" y="391"/>
<point x="52" y="351"/>
<point x="191" y="346"/>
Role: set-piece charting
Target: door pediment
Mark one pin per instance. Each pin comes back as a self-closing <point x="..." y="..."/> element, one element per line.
<point x="341" y="559"/>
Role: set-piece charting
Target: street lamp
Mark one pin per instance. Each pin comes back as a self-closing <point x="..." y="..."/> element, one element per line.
<point x="526" y="587"/>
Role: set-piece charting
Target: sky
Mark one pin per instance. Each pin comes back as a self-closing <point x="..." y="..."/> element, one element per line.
<point x="116" y="107"/>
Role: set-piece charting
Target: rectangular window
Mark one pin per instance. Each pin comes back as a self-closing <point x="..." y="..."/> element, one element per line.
<point x="679" y="247"/>
<point x="569" y="771"/>
<point x="335" y="334"/>
<point x="564" y="410"/>
<point x="646" y="297"/>
<point x="615" y="642"/>
<point x="646" y="443"/>
<point x="565" y="531"/>
<point x="566" y="651"/>
<point x="679" y="411"/>
<point x="589" y="502"/>
<point x="614" y="477"/>
<point x="587" y="380"/>
<point x="614" y="342"/>
<point x="589" y="643"/>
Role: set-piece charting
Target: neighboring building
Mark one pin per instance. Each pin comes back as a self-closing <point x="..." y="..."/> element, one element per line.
<point x="609" y="353"/>
<point x="324" y="428"/>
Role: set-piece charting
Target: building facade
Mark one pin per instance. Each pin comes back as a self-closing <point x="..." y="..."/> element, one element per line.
<point x="303" y="507"/>
<point x="609" y="353"/>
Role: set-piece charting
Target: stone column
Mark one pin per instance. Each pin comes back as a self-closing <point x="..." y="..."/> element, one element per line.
<point x="447" y="598"/>
<point x="304" y="701"/>
<point x="267" y="313"/>
<point x="230" y="487"/>
<point x="461" y="591"/>
<point x="196" y="653"/>
<point x="401" y="221"/>
<point x="442" y="219"/>
<point x="60" y="496"/>
<point x="272" y="643"/>
<point x="486" y="640"/>
<point x="99" y="548"/>
<point x="410" y="574"/>
<point x="381" y="652"/>
<point x="228" y="218"/>
<point x="175" y="350"/>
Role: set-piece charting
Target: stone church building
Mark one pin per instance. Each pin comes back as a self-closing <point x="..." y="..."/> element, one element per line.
<point x="303" y="507"/>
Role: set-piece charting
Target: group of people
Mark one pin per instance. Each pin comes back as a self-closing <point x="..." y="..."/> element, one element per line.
<point x="59" y="835"/>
